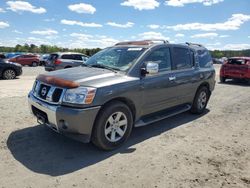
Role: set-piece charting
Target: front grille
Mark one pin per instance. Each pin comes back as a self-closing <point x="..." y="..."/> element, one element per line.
<point x="47" y="92"/>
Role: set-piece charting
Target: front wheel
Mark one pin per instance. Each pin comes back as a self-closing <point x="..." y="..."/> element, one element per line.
<point x="222" y="79"/>
<point x="113" y="126"/>
<point x="200" y="101"/>
<point x="34" y="64"/>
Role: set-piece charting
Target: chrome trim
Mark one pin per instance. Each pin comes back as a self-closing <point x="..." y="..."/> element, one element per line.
<point x="52" y="89"/>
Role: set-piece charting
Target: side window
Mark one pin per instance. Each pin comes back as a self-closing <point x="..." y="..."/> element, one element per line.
<point x="182" y="58"/>
<point x="205" y="59"/>
<point x="162" y="57"/>
<point x="78" y="57"/>
<point x="67" y="56"/>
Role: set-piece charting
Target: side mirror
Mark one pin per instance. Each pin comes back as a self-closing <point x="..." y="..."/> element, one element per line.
<point x="152" y="68"/>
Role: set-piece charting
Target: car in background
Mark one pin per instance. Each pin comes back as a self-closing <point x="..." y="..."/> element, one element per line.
<point x="13" y="54"/>
<point x="9" y="70"/>
<point x="217" y="61"/>
<point x="65" y="60"/>
<point x="2" y="56"/>
<point x="235" y="68"/>
<point x="43" y="59"/>
<point x="29" y="59"/>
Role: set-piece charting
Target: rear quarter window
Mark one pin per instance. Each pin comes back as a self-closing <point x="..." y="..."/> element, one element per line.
<point x="205" y="59"/>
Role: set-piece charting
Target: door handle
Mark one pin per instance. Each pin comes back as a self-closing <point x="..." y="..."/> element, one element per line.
<point x="171" y="78"/>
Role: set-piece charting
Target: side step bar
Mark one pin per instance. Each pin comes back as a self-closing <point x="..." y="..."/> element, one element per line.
<point x="162" y="115"/>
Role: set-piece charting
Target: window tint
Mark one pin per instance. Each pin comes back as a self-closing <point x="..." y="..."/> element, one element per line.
<point x="162" y="57"/>
<point x="182" y="58"/>
<point x="205" y="60"/>
<point x="78" y="57"/>
<point x="53" y="56"/>
<point x="237" y="61"/>
<point x="67" y="56"/>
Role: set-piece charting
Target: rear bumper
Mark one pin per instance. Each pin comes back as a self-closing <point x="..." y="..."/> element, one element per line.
<point x="74" y="123"/>
<point x="49" y="68"/>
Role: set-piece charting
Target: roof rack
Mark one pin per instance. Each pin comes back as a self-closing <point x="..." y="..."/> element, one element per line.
<point x="193" y="44"/>
<point x="142" y="42"/>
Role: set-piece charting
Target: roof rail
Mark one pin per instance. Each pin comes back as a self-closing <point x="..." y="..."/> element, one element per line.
<point x="193" y="44"/>
<point x="142" y="42"/>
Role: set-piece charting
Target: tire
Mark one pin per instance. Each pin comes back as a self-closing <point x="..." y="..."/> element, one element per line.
<point x="222" y="79"/>
<point x="109" y="132"/>
<point x="67" y="67"/>
<point x="200" y="100"/>
<point x="9" y="74"/>
<point x="34" y="64"/>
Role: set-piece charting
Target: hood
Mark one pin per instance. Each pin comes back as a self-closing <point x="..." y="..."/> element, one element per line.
<point x="94" y="77"/>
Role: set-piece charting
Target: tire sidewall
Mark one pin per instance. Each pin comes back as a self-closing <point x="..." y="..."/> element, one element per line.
<point x="99" y="129"/>
<point x="6" y="78"/>
<point x="195" y="108"/>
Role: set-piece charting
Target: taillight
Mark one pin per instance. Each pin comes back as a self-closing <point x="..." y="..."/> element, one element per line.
<point x="57" y="62"/>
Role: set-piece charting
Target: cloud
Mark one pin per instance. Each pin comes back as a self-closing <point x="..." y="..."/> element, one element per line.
<point x="45" y="32"/>
<point x="179" y="35"/>
<point x="4" y="25"/>
<point x="20" y="6"/>
<point x="73" y="22"/>
<point x="152" y="35"/>
<point x="49" y="19"/>
<point x="181" y="3"/>
<point x="91" y="41"/>
<point x="205" y="35"/>
<point x="153" y="26"/>
<point x="82" y="8"/>
<point x="141" y="4"/>
<point x="236" y="46"/>
<point x="232" y="23"/>
<point x="127" y="25"/>
<point x="248" y="37"/>
<point x="2" y="10"/>
<point x="224" y="36"/>
<point x="16" y="31"/>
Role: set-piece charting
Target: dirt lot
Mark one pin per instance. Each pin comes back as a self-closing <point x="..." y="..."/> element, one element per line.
<point x="212" y="150"/>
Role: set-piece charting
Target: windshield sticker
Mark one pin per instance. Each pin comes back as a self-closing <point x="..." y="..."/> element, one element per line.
<point x="134" y="49"/>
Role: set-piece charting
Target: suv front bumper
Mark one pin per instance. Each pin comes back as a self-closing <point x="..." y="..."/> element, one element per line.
<point x="71" y="122"/>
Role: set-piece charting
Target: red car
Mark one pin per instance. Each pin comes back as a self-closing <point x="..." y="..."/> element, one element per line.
<point x="235" y="68"/>
<point x="31" y="60"/>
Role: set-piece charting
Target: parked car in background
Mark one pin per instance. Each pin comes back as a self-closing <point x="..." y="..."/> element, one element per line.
<point x="128" y="85"/>
<point x="2" y="56"/>
<point x="65" y="60"/>
<point x="235" y="68"/>
<point x="43" y="59"/>
<point x="13" y="54"/>
<point x="9" y="70"/>
<point x="30" y="60"/>
<point x="217" y="61"/>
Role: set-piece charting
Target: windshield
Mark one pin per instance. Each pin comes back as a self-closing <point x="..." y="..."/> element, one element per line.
<point x="121" y="58"/>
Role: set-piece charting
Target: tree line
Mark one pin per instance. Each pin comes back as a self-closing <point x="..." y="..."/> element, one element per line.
<point x="44" y="49"/>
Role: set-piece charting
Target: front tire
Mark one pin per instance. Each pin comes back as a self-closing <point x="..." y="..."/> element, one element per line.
<point x="200" y="100"/>
<point x="222" y="79"/>
<point x="34" y="64"/>
<point x="113" y="126"/>
<point x="9" y="74"/>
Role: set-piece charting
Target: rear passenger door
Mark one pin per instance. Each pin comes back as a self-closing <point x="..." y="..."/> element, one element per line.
<point x="184" y="74"/>
<point x="158" y="90"/>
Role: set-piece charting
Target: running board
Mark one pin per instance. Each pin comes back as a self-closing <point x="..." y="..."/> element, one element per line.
<point x="162" y="115"/>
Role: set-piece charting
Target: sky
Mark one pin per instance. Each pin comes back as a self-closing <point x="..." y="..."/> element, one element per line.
<point x="217" y="24"/>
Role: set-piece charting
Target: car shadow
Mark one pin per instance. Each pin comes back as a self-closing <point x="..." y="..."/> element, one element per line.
<point x="43" y="151"/>
<point x="236" y="82"/>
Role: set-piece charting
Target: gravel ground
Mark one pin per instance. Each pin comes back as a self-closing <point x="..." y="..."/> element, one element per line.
<point x="211" y="150"/>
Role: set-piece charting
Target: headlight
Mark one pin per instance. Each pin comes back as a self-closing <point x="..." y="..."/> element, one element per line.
<point x="80" y="95"/>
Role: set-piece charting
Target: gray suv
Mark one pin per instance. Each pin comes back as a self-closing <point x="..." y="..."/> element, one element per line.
<point x="128" y="85"/>
<point x="64" y="60"/>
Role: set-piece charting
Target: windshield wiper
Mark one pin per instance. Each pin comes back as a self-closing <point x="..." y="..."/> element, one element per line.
<point x="105" y="67"/>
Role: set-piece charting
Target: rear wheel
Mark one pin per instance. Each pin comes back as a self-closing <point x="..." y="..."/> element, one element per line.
<point x="9" y="74"/>
<point x="34" y="64"/>
<point x="113" y="126"/>
<point x="200" y="100"/>
<point x="222" y="79"/>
